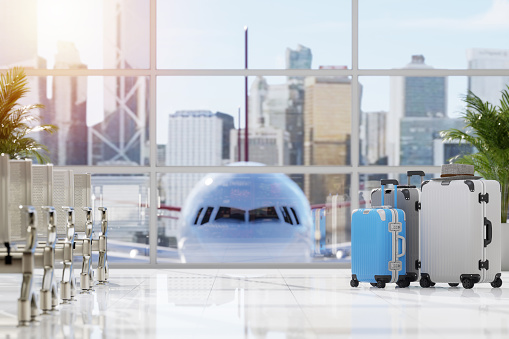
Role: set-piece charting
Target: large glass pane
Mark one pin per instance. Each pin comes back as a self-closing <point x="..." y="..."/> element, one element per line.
<point x="253" y="218"/>
<point x="281" y="34"/>
<point x="100" y="120"/>
<point x="450" y="34"/>
<point x="75" y="34"/>
<point x="127" y="198"/>
<point x="291" y="120"/>
<point x="401" y="117"/>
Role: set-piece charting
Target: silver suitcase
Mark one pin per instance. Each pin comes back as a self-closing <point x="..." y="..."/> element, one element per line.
<point x="409" y="202"/>
<point x="460" y="232"/>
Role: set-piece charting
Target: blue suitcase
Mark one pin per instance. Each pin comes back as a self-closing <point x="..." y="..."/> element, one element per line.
<point x="319" y="231"/>
<point x="379" y="244"/>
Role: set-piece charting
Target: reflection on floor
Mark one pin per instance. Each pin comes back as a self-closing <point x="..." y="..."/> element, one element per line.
<point x="266" y="303"/>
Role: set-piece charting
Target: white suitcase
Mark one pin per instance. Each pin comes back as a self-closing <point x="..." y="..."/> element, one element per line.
<point x="460" y="232"/>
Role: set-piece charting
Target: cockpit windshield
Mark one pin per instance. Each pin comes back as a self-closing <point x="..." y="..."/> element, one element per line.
<point x="231" y="214"/>
<point x="264" y="213"/>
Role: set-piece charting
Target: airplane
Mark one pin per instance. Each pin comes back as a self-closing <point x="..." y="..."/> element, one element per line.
<point x="245" y="217"/>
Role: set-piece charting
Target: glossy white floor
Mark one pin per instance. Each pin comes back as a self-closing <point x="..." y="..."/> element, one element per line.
<point x="262" y="304"/>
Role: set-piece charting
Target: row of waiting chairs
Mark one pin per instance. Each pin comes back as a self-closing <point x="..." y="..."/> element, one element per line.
<point x="45" y="218"/>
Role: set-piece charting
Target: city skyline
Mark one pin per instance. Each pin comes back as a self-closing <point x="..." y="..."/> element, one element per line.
<point x="415" y="29"/>
<point x="208" y="93"/>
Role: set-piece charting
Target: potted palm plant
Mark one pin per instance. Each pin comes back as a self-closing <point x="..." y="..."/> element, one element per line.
<point x="17" y="121"/>
<point x="487" y="129"/>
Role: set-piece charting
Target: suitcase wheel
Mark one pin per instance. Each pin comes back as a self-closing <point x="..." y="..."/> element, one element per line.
<point x="425" y="282"/>
<point x="354" y="283"/>
<point x="453" y="284"/>
<point x="467" y="283"/>
<point x="496" y="283"/>
<point x="380" y="284"/>
<point x="403" y="283"/>
<point x="373" y="284"/>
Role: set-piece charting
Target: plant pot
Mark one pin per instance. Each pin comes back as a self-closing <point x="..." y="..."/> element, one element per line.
<point x="505" y="246"/>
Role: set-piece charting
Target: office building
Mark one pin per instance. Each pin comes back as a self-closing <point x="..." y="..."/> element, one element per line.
<point x="424" y="97"/>
<point x="372" y="135"/>
<point x="327" y="129"/>
<point x="488" y="88"/>
<point x="195" y="138"/>
<point x="68" y="111"/>
<point x="267" y="145"/>
<point x="418" y="137"/>
<point x="122" y="137"/>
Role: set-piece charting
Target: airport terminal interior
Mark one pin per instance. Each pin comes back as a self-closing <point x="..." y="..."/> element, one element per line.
<point x="218" y="169"/>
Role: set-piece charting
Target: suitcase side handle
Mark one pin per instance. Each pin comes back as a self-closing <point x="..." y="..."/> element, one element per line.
<point x="394" y="182"/>
<point x="403" y="246"/>
<point x="410" y="174"/>
<point x="489" y="232"/>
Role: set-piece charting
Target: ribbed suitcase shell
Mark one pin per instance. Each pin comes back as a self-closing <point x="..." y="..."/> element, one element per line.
<point x="42" y="195"/>
<point x="63" y="195"/>
<point x="453" y="230"/>
<point x="20" y="193"/>
<point x="408" y="200"/>
<point x="374" y="246"/>
<point x="82" y="198"/>
<point x="5" y="233"/>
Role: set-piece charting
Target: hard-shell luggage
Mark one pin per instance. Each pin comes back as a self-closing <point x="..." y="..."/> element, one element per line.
<point x="378" y="244"/>
<point x="409" y="201"/>
<point x="319" y="231"/>
<point x="460" y="232"/>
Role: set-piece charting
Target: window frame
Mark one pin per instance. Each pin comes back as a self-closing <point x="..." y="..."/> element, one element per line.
<point x="354" y="169"/>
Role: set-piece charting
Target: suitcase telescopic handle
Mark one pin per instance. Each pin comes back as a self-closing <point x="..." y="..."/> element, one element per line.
<point x="394" y="182"/>
<point x="489" y="232"/>
<point x="403" y="246"/>
<point x="410" y="174"/>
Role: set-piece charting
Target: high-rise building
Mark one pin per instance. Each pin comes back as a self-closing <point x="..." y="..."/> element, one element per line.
<point x="300" y="58"/>
<point x="198" y="138"/>
<point x="488" y="87"/>
<point x="18" y="41"/>
<point x="418" y="136"/>
<point x="267" y="145"/>
<point x="268" y="139"/>
<point x="327" y="130"/>
<point x="122" y="137"/>
<point x="68" y="110"/>
<point x="195" y="138"/>
<point x="372" y="136"/>
<point x="413" y="97"/>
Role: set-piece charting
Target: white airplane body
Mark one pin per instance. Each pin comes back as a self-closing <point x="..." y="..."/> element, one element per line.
<point x="239" y="217"/>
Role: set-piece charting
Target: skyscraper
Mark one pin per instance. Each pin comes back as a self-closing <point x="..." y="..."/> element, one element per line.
<point x="413" y="97"/>
<point x="267" y="145"/>
<point x="68" y="110"/>
<point x="268" y="139"/>
<point x="488" y="87"/>
<point x="122" y="137"/>
<point x="19" y="43"/>
<point x="299" y="58"/>
<point x="372" y="137"/>
<point x="198" y="138"/>
<point x="327" y="129"/>
<point x="195" y="138"/>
